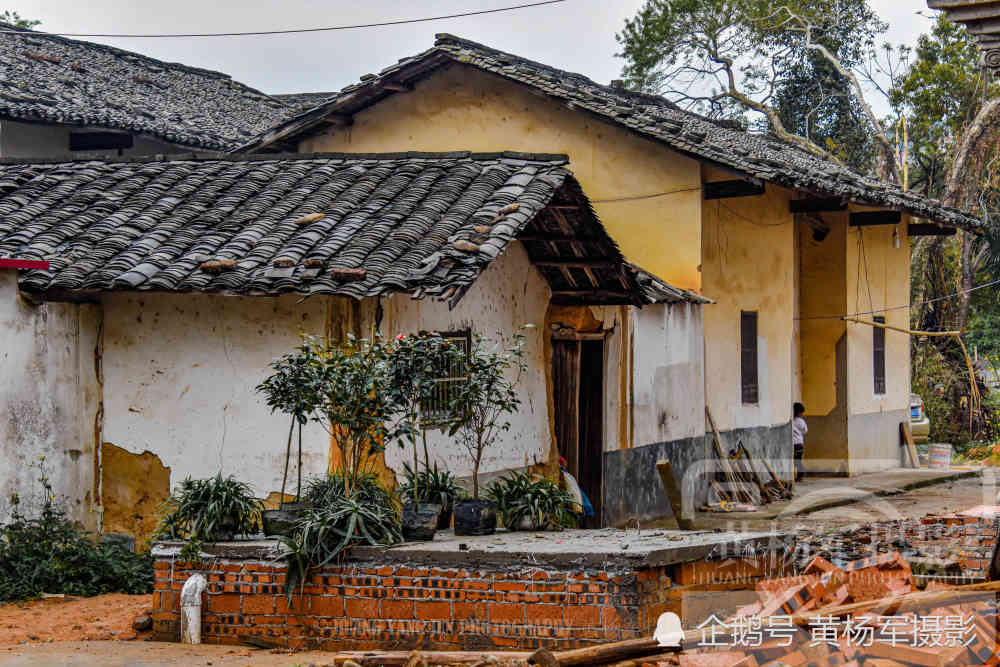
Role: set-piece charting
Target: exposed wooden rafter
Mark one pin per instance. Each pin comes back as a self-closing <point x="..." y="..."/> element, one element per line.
<point x="872" y="218"/>
<point x="925" y="229"/>
<point x="816" y="205"/>
<point x="735" y="188"/>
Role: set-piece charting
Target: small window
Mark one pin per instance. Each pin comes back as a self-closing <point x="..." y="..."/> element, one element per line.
<point x="99" y="141"/>
<point x="434" y="411"/>
<point x="878" y="356"/>
<point x="749" y="389"/>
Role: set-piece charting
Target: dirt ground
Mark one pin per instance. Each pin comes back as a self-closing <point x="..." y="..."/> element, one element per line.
<point x="152" y="654"/>
<point x="74" y="619"/>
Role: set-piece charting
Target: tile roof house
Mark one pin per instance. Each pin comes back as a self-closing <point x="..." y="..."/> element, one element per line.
<point x="56" y="81"/>
<point x="981" y="19"/>
<point x="753" y="155"/>
<point x="171" y="283"/>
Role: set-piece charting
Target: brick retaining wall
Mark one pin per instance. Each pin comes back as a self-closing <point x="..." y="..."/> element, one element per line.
<point x="399" y="607"/>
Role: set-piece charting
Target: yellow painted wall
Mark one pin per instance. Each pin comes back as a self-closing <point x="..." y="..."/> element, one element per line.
<point x="883" y="284"/>
<point x="462" y="108"/>
<point x="748" y="263"/>
<point x="822" y="299"/>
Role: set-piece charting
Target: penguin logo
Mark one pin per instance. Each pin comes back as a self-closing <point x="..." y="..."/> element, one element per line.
<point x="668" y="630"/>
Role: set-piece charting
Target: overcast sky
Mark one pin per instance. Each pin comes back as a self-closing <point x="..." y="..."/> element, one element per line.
<point x="576" y="35"/>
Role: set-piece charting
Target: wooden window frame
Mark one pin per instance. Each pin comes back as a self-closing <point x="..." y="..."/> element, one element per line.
<point x="427" y="417"/>
<point x="878" y="357"/>
<point x="749" y="361"/>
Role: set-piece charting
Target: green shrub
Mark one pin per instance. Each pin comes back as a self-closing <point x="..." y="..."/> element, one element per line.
<point x="49" y="553"/>
<point x="207" y="509"/>
<point x="434" y="486"/>
<point x="324" y="491"/>
<point x="538" y="501"/>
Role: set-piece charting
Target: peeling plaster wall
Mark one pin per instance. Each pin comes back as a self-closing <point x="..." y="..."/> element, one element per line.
<point x="508" y="295"/>
<point x="179" y="378"/>
<point x="669" y="402"/>
<point x="49" y="398"/>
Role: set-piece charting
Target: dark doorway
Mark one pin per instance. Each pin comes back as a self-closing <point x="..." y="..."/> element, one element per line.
<point x="578" y="378"/>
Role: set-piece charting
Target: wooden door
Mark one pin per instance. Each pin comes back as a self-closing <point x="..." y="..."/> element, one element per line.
<point x="578" y="378"/>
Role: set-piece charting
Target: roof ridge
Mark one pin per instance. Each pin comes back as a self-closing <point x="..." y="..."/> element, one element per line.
<point x="553" y="158"/>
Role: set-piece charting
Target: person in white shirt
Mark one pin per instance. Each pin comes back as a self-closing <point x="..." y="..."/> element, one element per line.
<point x="799" y="430"/>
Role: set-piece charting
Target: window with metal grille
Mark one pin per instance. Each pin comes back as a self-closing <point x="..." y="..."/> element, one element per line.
<point x="878" y="356"/>
<point x="749" y="390"/>
<point x="434" y="410"/>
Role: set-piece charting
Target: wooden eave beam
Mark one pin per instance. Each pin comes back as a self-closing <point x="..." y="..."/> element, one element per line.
<point x="578" y="263"/>
<point x="924" y="229"/>
<point x="816" y="205"/>
<point x="397" y="87"/>
<point x="872" y="218"/>
<point x="734" y="188"/>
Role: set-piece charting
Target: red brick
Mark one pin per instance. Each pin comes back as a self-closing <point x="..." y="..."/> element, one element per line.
<point x="161" y="565"/>
<point x="506" y="613"/>
<point x="224" y="604"/>
<point x="583" y="616"/>
<point x="258" y="604"/>
<point x="539" y="575"/>
<point x="545" y="614"/>
<point x="463" y="611"/>
<point x="509" y="586"/>
<point x="611" y="618"/>
<point x="433" y="611"/>
<point x="397" y="609"/>
<point x="325" y="605"/>
<point x="361" y="608"/>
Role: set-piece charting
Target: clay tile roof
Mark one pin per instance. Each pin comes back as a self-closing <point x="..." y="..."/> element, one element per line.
<point x="348" y="224"/>
<point x="304" y="101"/>
<point x="758" y="156"/>
<point x="982" y="21"/>
<point x="51" y="79"/>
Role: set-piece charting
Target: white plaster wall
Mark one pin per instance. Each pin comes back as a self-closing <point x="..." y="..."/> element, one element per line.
<point x="508" y="295"/>
<point x="669" y="400"/>
<point x="38" y="140"/>
<point x="48" y="399"/>
<point x="179" y="378"/>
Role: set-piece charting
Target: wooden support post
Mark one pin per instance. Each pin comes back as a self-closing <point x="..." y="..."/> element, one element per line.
<point x="911" y="450"/>
<point x="673" y="490"/>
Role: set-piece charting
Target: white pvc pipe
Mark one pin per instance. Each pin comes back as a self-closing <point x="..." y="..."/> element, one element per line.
<point x="191" y="609"/>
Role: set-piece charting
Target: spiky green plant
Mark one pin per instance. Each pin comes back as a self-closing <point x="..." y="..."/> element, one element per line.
<point x="206" y="509"/>
<point x="541" y="501"/>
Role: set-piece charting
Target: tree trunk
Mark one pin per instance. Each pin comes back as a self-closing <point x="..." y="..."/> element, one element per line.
<point x="956" y="185"/>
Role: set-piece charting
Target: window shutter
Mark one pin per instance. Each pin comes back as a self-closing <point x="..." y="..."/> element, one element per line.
<point x="878" y="356"/>
<point x="748" y="357"/>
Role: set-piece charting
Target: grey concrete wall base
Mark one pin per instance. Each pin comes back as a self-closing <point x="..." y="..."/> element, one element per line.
<point x="632" y="487"/>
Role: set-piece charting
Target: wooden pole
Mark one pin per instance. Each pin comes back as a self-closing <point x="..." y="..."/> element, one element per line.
<point x="673" y="490"/>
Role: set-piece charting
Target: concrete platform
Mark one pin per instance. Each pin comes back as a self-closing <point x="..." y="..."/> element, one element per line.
<point x="819" y="493"/>
<point x="606" y="548"/>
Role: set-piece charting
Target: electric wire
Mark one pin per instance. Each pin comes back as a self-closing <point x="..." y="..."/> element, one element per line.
<point x="907" y="306"/>
<point x="290" y="31"/>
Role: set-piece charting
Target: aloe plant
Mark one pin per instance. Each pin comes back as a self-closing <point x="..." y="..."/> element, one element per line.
<point x="205" y="509"/>
<point x="538" y="499"/>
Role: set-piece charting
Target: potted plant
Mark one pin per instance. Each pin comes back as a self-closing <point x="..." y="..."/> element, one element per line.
<point x="295" y="388"/>
<point x="216" y="509"/>
<point x="417" y="363"/>
<point x="532" y="503"/>
<point x="435" y="486"/>
<point x="482" y="406"/>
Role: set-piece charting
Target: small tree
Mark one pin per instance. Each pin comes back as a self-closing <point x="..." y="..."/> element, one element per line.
<point x="358" y="403"/>
<point x="417" y="363"/>
<point x="484" y="401"/>
<point x="295" y="388"/>
<point x="345" y="387"/>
